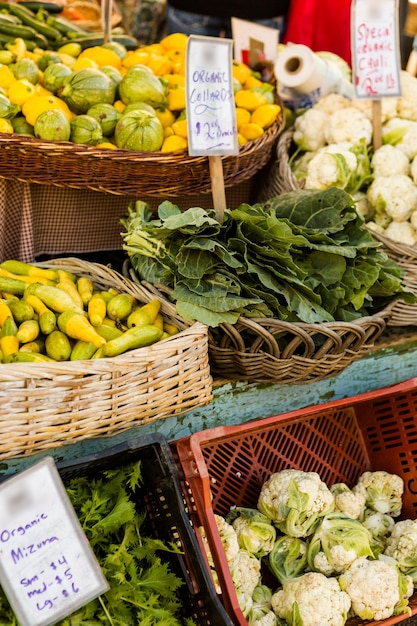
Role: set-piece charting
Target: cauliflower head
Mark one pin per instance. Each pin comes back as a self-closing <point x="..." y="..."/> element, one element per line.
<point x="295" y="500"/>
<point x="376" y="588"/>
<point x="347" y="502"/>
<point x="348" y="124"/>
<point x="254" y="530"/>
<point x="312" y="599"/>
<point x="261" y="613"/>
<point x="309" y="129"/>
<point x="288" y="558"/>
<point x="401" y="545"/>
<point x="245" y="570"/>
<point x="228" y="536"/>
<point x="380" y="526"/>
<point x="329" y="167"/>
<point x="401" y="232"/>
<point x="331" y="102"/>
<point x="337" y="541"/>
<point x="396" y="196"/>
<point x="388" y="160"/>
<point x="383" y="491"/>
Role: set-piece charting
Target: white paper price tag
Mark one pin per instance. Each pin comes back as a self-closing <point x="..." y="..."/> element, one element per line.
<point x="47" y="568"/>
<point x="375" y="48"/>
<point x="211" y="115"/>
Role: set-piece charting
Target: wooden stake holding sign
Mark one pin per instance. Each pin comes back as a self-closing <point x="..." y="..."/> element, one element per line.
<point x="107" y="13"/>
<point x="375" y="55"/>
<point x="211" y="114"/>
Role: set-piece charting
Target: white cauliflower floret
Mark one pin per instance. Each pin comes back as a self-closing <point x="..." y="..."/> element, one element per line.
<point x="383" y="491"/>
<point x="332" y="102"/>
<point x="327" y="169"/>
<point x="388" y="160"/>
<point x="279" y="492"/>
<point x="362" y="204"/>
<point x="347" y="502"/>
<point x="406" y="103"/>
<point x="408" y="142"/>
<point x="401" y="545"/>
<point x="245" y="570"/>
<point x="380" y="526"/>
<point x="401" y="232"/>
<point x="394" y="130"/>
<point x="348" y="124"/>
<point x="319" y="599"/>
<point x="376" y="228"/>
<point x="228" y="536"/>
<point x="309" y="130"/>
<point x="374" y="588"/>
<point x="388" y="108"/>
<point x="396" y="196"/>
<point x="340" y="559"/>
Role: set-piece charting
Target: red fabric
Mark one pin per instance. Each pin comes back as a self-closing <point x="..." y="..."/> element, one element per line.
<point x="320" y="25"/>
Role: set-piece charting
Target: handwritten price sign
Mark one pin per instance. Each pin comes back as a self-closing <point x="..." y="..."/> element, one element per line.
<point x="47" y="568"/>
<point x="375" y="48"/>
<point x="211" y="115"/>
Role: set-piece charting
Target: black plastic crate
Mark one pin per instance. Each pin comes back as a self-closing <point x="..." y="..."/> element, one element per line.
<point x="167" y="518"/>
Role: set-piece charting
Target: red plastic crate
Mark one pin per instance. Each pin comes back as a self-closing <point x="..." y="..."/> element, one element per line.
<point x="227" y="465"/>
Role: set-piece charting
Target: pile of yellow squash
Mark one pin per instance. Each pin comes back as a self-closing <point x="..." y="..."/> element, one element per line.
<point x="26" y="92"/>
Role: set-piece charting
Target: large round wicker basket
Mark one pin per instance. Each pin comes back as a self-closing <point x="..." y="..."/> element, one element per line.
<point x="128" y="172"/>
<point x="46" y="405"/>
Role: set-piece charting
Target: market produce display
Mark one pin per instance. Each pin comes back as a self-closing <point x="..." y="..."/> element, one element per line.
<point x="82" y="90"/>
<point x="140" y="560"/>
<point x="334" y="147"/>
<point x="302" y="256"/>
<point x="53" y="315"/>
<point x="311" y="550"/>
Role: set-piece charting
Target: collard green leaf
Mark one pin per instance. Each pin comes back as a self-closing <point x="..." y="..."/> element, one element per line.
<point x="301" y="256"/>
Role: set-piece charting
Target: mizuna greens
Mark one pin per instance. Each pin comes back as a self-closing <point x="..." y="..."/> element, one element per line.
<point x="301" y="256"/>
<point x="142" y="587"/>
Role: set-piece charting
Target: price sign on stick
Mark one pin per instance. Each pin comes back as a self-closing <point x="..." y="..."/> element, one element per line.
<point x="211" y="116"/>
<point x="375" y="54"/>
<point x="47" y="568"/>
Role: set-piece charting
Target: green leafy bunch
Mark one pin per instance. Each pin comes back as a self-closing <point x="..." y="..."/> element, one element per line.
<point x="303" y="256"/>
<point x="142" y="587"/>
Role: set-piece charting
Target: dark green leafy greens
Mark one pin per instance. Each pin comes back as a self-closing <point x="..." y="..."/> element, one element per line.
<point x="142" y="587"/>
<point x="303" y="256"/>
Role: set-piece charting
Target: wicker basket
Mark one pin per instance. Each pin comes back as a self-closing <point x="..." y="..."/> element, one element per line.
<point x="127" y="172"/>
<point x="280" y="179"/>
<point x="47" y="405"/>
<point x="250" y="349"/>
<point x="403" y="314"/>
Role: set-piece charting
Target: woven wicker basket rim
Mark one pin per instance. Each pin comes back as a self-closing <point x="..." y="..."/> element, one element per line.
<point x="48" y="405"/>
<point x="128" y="172"/>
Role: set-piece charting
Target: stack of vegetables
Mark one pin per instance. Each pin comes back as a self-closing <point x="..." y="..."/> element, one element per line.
<point x="53" y="315"/>
<point x="301" y="256"/>
<point x="109" y="96"/>
<point x="144" y="588"/>
<point x="334" y="147"/>
<point x="313" y="554"/>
